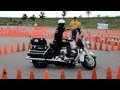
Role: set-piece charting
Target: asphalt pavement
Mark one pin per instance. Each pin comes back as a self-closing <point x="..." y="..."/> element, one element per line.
<point x="15" y="61"/>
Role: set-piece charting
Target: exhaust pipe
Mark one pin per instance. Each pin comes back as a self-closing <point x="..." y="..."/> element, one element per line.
<point x="41" y="59"/>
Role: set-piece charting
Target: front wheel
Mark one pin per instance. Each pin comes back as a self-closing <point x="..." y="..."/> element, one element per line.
<point x="89" y="63"/>
<point x="39" y="64"/>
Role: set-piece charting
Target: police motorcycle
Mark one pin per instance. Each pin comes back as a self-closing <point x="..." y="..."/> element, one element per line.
<point x="41" y="54"/>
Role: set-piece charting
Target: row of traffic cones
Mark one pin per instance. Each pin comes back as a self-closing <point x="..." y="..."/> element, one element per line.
<point x="46" y="74"/>
<point x="106" y="46"/>
<point x="42" y="33"/>
<point x="12" y="49"/>
<point x="102" y="40"/>
<point x="23" y="31"/>
<point x="18" y="74"/>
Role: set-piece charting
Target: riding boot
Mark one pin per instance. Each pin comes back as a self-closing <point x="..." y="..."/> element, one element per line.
<point x="68" y="50"/>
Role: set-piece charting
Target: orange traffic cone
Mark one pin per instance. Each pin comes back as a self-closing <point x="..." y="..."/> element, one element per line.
<point x="112" y="48"/>
<point x="29" y="46"/>
<point x="96" y="38"/>
<point x="79" y="74"/>
<point x="100" y="46"/>
<point x="5" y="50"/>
<point x="32" y="75"/>
<point x="12" y="49"/>
<point x="19" y="75"/>
<point x="48" y="36"/>
<point x="18" y="47"/>
<point x="4" y="74"/>
<point x="90" y="46"/>
<point x="1" y="51"/>
<point x="109" y="73"/>
<point x="115" y="43"/>
<point x="62" y="74"/>
<point x="51" y="36"/>
<point x="46" y="74"/>
<point x="108" y="42"/>
<point x="106" y="47"/>
<point x="94" y="74"/>
<point x="95" y="46"/>
<point x="118" y="73"/>
<point x="119" y="46"/>
<point x="23" y="47"/>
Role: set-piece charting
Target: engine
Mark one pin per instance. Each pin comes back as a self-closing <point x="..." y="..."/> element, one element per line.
<point x="70" y="51"/>
<point x="73" y="45"/>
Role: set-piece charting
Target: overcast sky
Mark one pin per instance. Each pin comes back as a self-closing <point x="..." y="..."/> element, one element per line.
<point x="58" y="13"/>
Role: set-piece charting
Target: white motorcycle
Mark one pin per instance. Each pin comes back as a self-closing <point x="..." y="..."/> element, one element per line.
<point x="41" y="54"/>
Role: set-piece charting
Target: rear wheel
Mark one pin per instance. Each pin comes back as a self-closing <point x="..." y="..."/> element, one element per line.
<point x="39" y="64"/>
<point x="89" y="63"/>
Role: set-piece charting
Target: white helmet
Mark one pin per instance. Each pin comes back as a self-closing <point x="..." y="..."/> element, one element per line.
<point x="61" y="21"/>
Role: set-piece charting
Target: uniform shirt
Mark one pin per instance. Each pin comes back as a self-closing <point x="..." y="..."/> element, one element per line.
<point x="75" y="24"/>
<point x="58" y="34"/>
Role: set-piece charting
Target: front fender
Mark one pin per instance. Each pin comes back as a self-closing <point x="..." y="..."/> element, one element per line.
<point x="82" y="56"/>
<point x="92" y="54"/>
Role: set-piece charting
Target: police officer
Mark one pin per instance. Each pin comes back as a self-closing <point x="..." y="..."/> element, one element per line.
<point x="58" y="36"/>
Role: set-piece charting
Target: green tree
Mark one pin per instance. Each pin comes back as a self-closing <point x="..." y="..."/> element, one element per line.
<point x="106" y="16"/>
<point x="10" y="19"/>
<point x="20" y="22"/>
<point x="80" y="16"/>
<point x="42" y="15"/>
<point x="88" y="13"/>
<point x="24" y="17"/>
<point x="64" y="13"/>
<point x="98" y="15"/>
<point x="33" y="17"/>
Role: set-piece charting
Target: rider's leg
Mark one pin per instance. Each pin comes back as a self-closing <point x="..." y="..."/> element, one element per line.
<point x="56" y="49"/>
<point x="80" y="44"/>
<point x="74" y="33"/>
<point x="68" y="49"/>
<point x="79" y="30"/>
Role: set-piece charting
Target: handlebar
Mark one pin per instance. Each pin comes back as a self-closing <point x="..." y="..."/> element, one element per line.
<point x="67" y="39"/>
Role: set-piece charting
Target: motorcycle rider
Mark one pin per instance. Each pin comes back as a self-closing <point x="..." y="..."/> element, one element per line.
<point x="58" y="36"/>
<point x="75" y="26"/>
